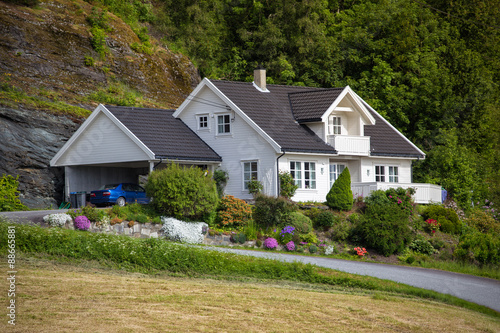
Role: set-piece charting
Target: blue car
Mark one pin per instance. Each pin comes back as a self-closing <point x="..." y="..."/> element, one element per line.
<point x="119" y="194"/>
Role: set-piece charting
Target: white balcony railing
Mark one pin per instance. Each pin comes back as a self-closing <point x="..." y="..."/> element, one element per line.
<point x="350" y="144"/>
<point x="424" y="193"/>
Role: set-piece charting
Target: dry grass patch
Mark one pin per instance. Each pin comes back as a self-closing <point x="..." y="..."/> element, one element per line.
<point x="54" y="297"/>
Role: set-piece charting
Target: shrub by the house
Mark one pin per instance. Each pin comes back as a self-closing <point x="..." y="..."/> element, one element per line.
<point x="182" y="192"/>
<point x="326" y="219"/>
<point x="287" y="185"/>
<point x="384" y="227"/>
<point x="300" y="222"/>
<point x="270" y="211"/>
<point x="340" y="195"/>
<point x="233" y="211"/>
<point x="476" y="247"/>
<point x="446" y="217"/>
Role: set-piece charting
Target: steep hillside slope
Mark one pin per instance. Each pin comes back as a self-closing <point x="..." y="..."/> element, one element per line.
<point x="51" y="76"/>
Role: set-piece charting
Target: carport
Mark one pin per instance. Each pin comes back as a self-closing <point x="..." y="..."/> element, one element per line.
<point x="120" y="144"/>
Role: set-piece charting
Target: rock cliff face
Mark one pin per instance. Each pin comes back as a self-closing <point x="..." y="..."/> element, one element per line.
<point x="46" y="51"/>
<point x="28" y="141"/>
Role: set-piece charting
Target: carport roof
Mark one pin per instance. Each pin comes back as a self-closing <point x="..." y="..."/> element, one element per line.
<point x="167" y="137"/>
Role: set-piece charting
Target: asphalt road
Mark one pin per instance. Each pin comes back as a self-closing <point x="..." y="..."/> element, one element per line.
<point x="475" y="289"/>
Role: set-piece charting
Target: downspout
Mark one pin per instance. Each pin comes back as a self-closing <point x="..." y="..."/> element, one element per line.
<point x="278" y="173"/>
<point x="161" y="160"/>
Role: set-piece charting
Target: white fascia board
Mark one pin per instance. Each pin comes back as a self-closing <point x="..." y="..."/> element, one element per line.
<point x="206" y="82"/>
<point x="357" y="103"/>
<point x="88" y="122"/>
<point x="393" y="128"/>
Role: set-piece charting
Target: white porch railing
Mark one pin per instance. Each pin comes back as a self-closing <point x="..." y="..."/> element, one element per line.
<point x="424" y="193"/>
<point x="350" y="144"/>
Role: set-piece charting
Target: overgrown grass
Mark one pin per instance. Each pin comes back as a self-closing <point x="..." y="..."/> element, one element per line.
<point x="117" y="93"/>
<point x="11" y="96"/>
<point x="155" y="255"/>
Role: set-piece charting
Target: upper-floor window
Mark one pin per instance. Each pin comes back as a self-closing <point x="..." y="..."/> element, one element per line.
<point x="203" y="122"/>
<point x="335" y="171"/>
<point x="304" y="174"/>
<point x="334" y="125"/>
<point x="250" y="172"/>
<point x="386" y="173"/>
<point x="224" y="124"/>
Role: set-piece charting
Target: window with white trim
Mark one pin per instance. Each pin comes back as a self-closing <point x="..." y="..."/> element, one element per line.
<point x="335" y="171"/>
<point x="334" y="125"/>
<point x="203" y="122"/>
<point x="250" y="172"/>
<point x="393" y="174"/>
<point x="386" y="174"/>
<point x="224" y="124"/>
<point x="304" y="174"/>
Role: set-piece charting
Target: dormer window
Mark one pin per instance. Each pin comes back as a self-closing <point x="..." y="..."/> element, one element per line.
<point x="334" y="125"/>
<point x="224" y="124"/>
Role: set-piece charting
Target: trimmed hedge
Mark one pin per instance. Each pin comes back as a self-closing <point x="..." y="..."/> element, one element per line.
<point x="340" y="195"/>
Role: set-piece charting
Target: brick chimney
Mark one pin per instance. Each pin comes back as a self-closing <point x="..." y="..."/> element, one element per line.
<point x="259" y="79"/>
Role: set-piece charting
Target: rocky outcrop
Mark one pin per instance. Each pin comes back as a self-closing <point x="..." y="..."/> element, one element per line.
<point x="28" y="141"/>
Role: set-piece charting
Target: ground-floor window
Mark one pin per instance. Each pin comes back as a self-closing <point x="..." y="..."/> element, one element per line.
<point x="335" y="171"/>
<point x="250" y="172"/>
<point x="386" y="174"/>
<point x="304" y="174"/>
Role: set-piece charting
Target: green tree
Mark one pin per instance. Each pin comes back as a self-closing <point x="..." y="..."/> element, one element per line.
<point x="340" y="195"/>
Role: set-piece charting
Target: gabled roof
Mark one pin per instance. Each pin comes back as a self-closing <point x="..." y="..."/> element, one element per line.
<point x="271" y="112"/>
<point x="311" y="105"/>
<point x="166" y="136"/>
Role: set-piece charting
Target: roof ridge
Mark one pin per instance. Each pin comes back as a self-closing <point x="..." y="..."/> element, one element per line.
<point x="274" y="85"/>
<point x="315" y="90"/>
<point x="133" y="108"/>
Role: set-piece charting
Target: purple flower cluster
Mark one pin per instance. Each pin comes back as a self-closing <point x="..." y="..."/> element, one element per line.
<point x="82" y="223"/>
<point x="290" y="246"/>
<point x="270" y="243"/>
<point x="287" y="230"/>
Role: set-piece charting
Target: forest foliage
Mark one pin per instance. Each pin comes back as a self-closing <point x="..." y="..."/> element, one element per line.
<point x="430" y="67"/>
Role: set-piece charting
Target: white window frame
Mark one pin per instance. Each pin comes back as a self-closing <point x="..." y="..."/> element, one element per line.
<point x="335" y="125"/>
<point x="206" y="121"/>
<point x="304" y="174"/>
<point x="335" y="173"/>
<point x="249" y="174"/>
<point x="387" y="173"/>
<point x="225" y="125"/>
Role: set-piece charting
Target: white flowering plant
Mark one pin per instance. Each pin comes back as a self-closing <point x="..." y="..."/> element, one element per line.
<point x="57" y="220"/>
<point x="186" y="232"/>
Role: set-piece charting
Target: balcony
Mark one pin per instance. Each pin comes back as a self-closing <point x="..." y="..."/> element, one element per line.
<point x="350" y="144"/>
<point x="424" y="193"/>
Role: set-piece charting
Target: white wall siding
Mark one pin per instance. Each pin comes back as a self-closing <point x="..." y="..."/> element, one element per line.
<point x="244" y="144"/>
<point x="368" y="164"/>
<point x="102" y="142"/>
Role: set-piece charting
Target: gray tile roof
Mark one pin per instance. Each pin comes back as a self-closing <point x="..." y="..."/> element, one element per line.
<point x="282" y="112"/>
<point x="311" y="105"/>
<point x="164" y="135"/>
<point x="271" y="112"/>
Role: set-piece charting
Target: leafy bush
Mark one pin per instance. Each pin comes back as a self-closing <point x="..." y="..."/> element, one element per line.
<point x="182" y="192"/>
<point x="220" y="177"/>
<point x="185" y="232"/>
<point x="482" y="221"/>
<point x="340" y="195"/>
<point x="446" y="217"/>
<point x="269" y="211"/>
<point x="255" y="187"/>
<point x="326" y="219"/>
<point x="300" y="222"/>
<point x="385" y="228"/>
<point x="341" y="231"/>
<point x="141" y="218"/>
<point x="93" y="214"/>
<point x="309" y="238"/>
<point x="82" y="223"/>
<point x="421" y="245"/>
<point x="233" y="211"/>
<point x="476" y="247"/>
<point x="313" y="249"/>
<point x="270" y="243"/>
<point x="403" y="198"/>
<point x="9" y="197"/>
<point x="287" y="185"/>
<point x="57" y="220"/>
<point x="286" y="234"/>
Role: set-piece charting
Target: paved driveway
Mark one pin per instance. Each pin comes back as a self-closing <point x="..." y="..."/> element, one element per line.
<point x="475" y="289"/>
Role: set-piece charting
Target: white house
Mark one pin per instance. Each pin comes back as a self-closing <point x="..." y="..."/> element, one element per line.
<point x="260" y="130"/>
<point x="252" y="131"/>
